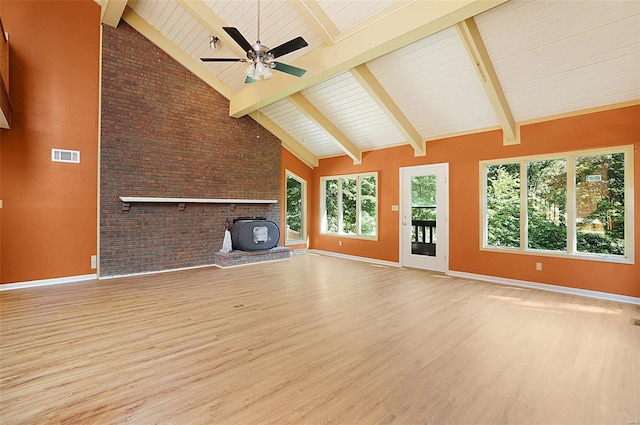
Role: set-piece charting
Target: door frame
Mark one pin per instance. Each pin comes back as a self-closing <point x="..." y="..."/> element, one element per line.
<point x="443" y="230"/>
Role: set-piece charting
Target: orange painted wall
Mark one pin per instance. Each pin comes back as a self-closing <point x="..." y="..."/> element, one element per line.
<point x="603" y="129"/>
<point x="49" y="216"/>
<point x="292" y="163"/>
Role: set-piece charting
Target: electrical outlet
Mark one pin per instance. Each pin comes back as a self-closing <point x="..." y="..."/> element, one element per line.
<point x="539" y="267"/>
<point x="339" y="243"/>
<point x="94" y="262"/>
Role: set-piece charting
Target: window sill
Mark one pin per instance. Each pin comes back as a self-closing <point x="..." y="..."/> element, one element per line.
<point x="349" y="236"/>
<point x="295" y="242"/>
<point x="554" y="254"/>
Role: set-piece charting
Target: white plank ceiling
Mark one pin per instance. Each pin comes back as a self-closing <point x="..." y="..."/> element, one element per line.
<point x="347" y="105"/>
<point x="301" y="128"/>
<point x="550" y="58"/>
<point x="436" y="86"/>
<point x="346" y="14"/>
<point x="559" y="57"/>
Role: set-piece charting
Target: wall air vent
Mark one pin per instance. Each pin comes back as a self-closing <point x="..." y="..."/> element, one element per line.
<point x="62" y="155"/>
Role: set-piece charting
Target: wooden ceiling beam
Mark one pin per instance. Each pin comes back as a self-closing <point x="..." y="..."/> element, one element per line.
<point x="111" y="11"/>
<point x="307" y="108"/>
<point x="193" y="65"/>
<point x="318" y="19"/>
<point x="474" y="44"/>
<point x="212" y="22"/>
<point x="371" y="84"/>
<point x="408" y="24"/>
<point x="288" y="142"/>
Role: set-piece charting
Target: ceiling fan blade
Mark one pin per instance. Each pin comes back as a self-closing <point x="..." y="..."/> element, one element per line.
<point x="249" y="80"/>
<point x="289" y="69"/>
<point x="238" y="38"/>
<point x="288" y="47"/>
<point x="221" y="60"/>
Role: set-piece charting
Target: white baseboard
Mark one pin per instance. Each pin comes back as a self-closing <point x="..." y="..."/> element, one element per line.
<point x="47" y="282"/>
<point x="484" y="278"/>
<point x="355" y="258"/>
<point x="116" y="276"/>
<point x="546" y="287"/>
<point x="501" y="280"/>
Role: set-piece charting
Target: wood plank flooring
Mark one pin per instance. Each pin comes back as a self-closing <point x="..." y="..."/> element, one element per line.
<point x="314" y="340"/>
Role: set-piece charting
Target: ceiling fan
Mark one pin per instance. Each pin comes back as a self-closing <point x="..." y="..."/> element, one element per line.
<point x="260" y="58"/>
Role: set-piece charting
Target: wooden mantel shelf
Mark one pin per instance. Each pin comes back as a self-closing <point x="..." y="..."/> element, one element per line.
<point x="128" y="200"/>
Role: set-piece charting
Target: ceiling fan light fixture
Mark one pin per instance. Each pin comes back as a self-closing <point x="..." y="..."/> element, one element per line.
<point x="260" y="68"/>
<point x="251" y="71"/>
<point x="267" y="73"/>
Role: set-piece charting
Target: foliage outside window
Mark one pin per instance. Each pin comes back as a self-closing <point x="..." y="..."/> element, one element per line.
<point x="600" y="207"/>
<point x="423" y="207"/>
<point x="547" y="204"/>
<point x="350" y="205"/>
<point x="503" y="205"/>
<point x="295" y="232"/>
<point x="570" y="204"/>
<point x="423" y="198"/>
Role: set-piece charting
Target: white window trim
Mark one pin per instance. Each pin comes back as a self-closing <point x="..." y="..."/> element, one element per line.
<point x="303" y="239"/>
<point x="629" y="231"/>
<point x="323" y="221"/>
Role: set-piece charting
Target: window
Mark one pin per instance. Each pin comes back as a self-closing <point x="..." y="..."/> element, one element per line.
<point x="503" y="205"/>
<point x="546" y="204"/>
<point x="574" y="204"/>
<point x="600" y="204"/>
<point x="296" y="188"/>
<point x="349" y="205"/>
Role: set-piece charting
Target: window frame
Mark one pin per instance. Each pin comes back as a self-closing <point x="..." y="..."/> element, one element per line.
<point x="303" y="219"/>
<point x="572" y="252"/>
<point x="323" y="215"/>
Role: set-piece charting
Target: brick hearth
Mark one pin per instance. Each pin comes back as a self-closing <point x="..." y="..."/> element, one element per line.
<point x="238" y="258"/>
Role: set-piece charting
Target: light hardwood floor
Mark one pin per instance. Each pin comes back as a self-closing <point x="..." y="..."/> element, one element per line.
<point x="314" y="340"/>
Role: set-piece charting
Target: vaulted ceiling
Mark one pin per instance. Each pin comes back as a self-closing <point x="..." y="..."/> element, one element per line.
<point x="383" y="73"/>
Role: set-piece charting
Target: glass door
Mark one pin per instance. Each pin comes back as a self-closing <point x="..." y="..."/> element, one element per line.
<point x="424" y="217"/>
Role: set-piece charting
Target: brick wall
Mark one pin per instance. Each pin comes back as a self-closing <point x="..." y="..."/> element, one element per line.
<point x="165" y="133"/>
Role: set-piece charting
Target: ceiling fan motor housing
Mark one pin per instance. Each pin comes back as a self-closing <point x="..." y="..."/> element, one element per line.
<point x="260" y="53"/>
